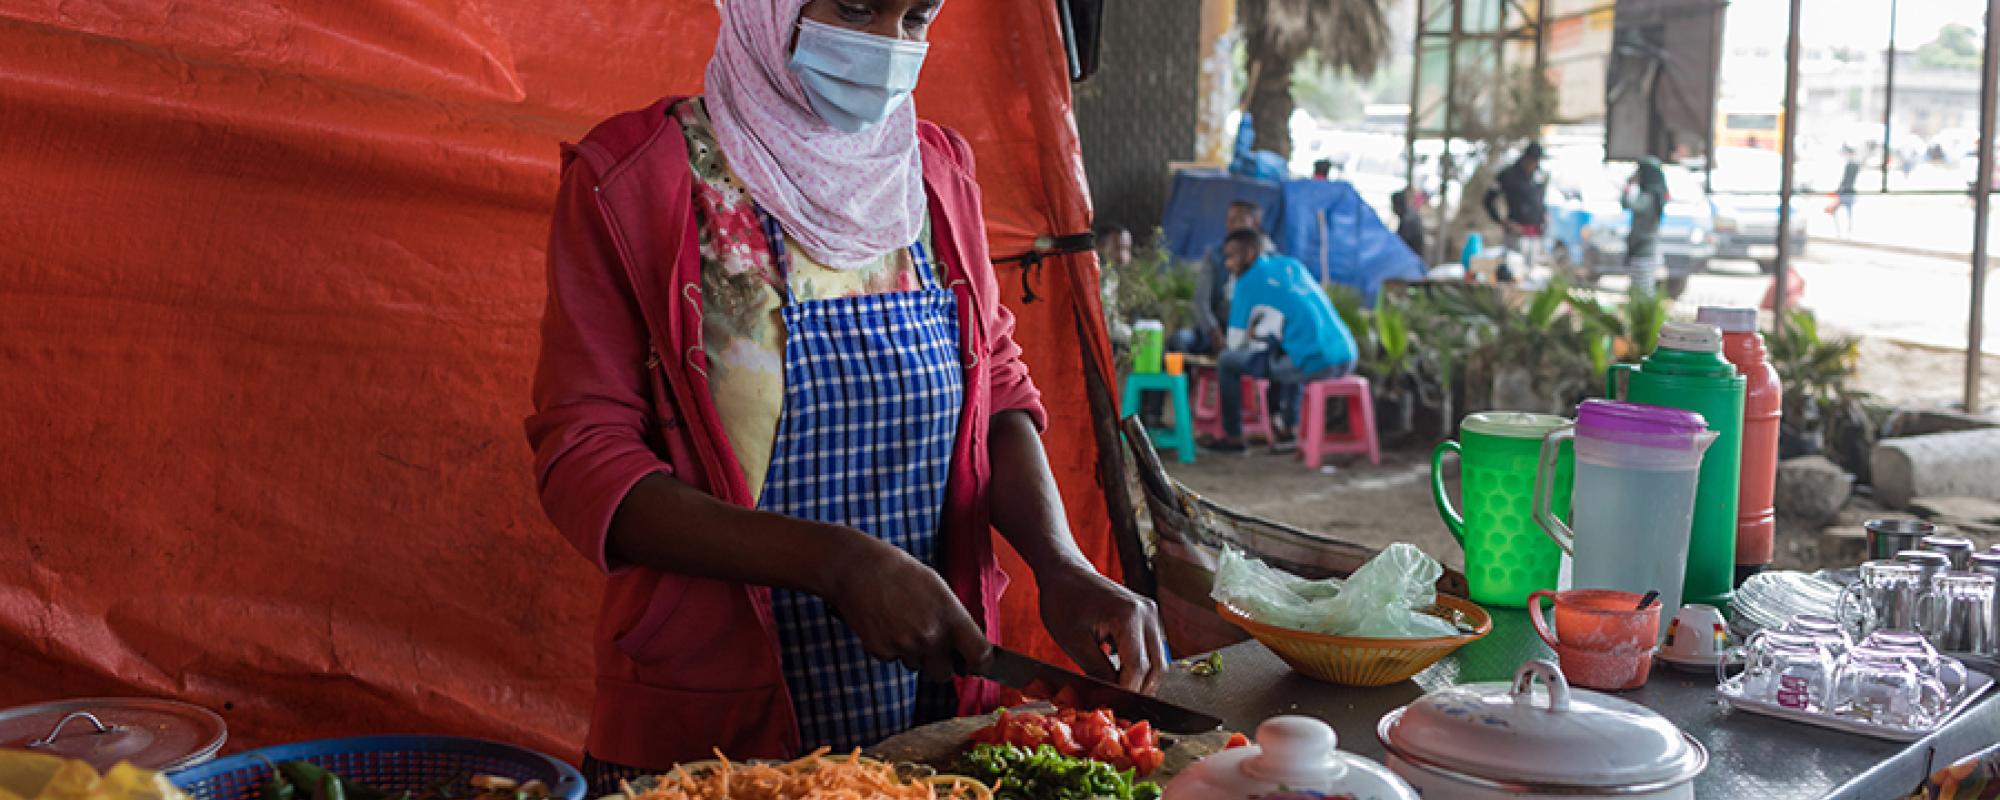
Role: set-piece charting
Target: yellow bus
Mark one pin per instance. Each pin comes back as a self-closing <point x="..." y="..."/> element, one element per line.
<point x="1758" y="125"/>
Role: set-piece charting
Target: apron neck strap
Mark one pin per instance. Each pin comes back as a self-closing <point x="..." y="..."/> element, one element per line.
<point x="781" y="257"/>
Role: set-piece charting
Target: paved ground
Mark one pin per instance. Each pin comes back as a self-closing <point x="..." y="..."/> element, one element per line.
<point x="1904" y="306"/>
<point x="1867" y="291"/>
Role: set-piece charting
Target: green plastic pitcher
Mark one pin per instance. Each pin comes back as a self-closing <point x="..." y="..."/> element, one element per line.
<point x="1506" y="554"/>
<point x="1149" y="337"/>
<point x="1688" y="371"/>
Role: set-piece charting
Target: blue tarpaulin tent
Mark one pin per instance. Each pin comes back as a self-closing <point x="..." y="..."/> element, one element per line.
<point x="1322" y="223"/>
<point x="1195" y="211"/>
<point x="1328" y="226"/>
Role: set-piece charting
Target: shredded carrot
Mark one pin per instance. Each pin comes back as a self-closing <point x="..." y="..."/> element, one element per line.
<point x="814" y="777"/>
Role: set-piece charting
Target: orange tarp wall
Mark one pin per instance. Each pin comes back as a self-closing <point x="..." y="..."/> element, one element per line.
<point x="270" y="275"/>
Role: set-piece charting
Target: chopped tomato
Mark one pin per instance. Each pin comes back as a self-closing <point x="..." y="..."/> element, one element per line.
<point x="1065" y="698"/>
<point x="1109" y="751"/>
<point x="1236" y="740"/>
<point x="1027" y="734"/>
<point x="1091" y="730"/>
<point x="1012" y="697"/>
<point x="1063" y="739"/>
<point x="1140" y="736"/>
<point x="1098" y="735"/>
<point x="1147" y="760"/>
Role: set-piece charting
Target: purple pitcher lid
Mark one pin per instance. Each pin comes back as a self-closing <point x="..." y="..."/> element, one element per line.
<point x="1619" y="419"/>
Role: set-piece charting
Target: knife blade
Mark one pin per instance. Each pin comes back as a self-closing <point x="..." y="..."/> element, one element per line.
<point x="1018" y="671"/>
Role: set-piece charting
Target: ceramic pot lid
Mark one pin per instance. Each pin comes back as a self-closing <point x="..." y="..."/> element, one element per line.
<point x="1522" y="733"/>
<point x="1292" y="755"/>
<point x="152" y="734"/>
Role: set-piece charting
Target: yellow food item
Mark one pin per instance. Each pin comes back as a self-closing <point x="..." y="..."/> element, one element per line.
<point x="814" y="777"/>
<point x="39" y="776"/>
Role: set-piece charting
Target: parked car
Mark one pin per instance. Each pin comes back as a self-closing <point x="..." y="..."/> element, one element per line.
<point x="1745" y="202"/>
<point x="1588" y="225"/>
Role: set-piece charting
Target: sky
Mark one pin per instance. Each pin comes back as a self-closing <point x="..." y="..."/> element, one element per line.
<point x="1850" y="23"/>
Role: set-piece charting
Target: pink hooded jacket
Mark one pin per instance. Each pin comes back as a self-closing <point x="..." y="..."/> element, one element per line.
<point x="686" y="664"/>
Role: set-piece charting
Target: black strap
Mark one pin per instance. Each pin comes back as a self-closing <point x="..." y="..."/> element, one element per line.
<point x="1045" y="247"/>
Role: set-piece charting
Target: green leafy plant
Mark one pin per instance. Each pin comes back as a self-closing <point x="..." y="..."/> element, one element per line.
<point x="1814" y="367"/>
<point x="1821" y="412"/>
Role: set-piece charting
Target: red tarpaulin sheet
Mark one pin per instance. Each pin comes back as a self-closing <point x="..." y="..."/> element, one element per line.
<point x="272" y="276"/>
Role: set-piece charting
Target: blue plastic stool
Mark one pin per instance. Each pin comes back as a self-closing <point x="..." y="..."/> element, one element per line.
<point x="1181" y="437"/>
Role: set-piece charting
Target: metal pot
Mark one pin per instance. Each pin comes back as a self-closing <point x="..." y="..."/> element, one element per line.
<point x="1501" y="740"/>
<point x="163" y="735"/>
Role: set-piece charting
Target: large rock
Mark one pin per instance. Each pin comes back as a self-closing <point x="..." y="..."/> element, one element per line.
<point x="1973" y="517"/>
<point x="1919" y="422"/>
<point x="1812" y="489"/>
<point x="1962" y="464"/>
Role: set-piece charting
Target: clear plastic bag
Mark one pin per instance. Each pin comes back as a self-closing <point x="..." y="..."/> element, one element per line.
<point x="1382" y="599"/>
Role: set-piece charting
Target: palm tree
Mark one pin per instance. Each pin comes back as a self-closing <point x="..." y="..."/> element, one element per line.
<point x="1277" y="34"/>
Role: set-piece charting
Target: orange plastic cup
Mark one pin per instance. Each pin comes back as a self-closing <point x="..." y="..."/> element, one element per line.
<point x="1601" y="638"/>
<point x="1174" y="362"/>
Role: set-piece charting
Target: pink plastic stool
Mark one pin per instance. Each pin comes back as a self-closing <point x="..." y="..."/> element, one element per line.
<point x="1314" y="442"/>
<point x="1208" y="406"/>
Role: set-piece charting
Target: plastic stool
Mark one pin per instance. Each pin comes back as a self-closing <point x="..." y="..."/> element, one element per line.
<point x="1181" y="437"/>
<point x="1314" y="443"/>
<point x="1208" y="406"/>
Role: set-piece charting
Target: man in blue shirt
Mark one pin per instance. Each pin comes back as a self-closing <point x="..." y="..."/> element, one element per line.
<point x="1211" y="288"/>
<point x="1281" y="327"/>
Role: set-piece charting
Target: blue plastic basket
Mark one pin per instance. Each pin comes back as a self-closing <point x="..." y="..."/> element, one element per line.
<point x="389" y="763"/>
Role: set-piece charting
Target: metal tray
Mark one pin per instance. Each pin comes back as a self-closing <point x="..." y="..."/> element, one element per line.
<point x="1976" y="681"/>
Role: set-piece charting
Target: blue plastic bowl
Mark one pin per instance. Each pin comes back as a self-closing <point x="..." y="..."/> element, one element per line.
<point x="389" y="763"/>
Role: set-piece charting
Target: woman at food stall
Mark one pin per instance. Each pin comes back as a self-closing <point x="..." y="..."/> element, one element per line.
<point x="779" y="403"/>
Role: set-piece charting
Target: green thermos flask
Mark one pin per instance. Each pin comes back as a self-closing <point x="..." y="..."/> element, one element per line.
<point x="1688" y="371"/>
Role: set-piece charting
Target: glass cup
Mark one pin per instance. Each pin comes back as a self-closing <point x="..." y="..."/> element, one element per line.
<point x="1823" y="630"/>
<point x="1956" y="548"/>
<point x="1788" y="669"/>
<point x="1917" y="651"/>
<point x="1883" y="598"/>
<point x="1882" y="687"/>
<point x="1957" y="614"/>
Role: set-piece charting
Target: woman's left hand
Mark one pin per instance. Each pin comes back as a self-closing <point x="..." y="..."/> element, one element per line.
<point x="1084" y="611"/>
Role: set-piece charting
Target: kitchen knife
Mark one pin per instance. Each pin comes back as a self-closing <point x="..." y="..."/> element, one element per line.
<point x="1045" y="680"/>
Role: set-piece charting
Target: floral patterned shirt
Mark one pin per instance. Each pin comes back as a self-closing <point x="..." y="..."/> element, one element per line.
<point x="741" y="328"/>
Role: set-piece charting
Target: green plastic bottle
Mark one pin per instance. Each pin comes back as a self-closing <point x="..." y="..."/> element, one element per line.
<point x="1688" y="371"/>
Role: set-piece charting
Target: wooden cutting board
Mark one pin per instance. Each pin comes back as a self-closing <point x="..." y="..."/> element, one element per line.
<point x="939" y="744"/>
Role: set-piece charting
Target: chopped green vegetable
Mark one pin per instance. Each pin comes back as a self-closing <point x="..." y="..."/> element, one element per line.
<point x="1017" y="773"/>
<point x="1207" y="667"/>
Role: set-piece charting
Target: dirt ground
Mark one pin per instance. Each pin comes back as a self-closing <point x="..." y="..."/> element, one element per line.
<point x="1378" y="505"/>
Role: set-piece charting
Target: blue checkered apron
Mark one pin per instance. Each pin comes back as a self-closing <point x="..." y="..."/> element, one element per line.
<point x="873" y="390"/>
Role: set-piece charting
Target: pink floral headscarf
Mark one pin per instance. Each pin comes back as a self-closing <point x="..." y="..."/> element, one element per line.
<point x="846" y="198"/>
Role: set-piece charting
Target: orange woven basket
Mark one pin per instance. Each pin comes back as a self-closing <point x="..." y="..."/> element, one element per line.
<point x="1361" y="660"/>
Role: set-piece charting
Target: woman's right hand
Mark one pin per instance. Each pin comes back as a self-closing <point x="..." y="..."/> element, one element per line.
<point x="903" y="611"/>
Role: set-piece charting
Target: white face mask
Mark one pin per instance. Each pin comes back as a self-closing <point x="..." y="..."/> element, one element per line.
<point x="854" y="79"/>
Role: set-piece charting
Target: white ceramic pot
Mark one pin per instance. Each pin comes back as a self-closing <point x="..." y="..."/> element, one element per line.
<point x="1294" y="759"/>
<point x="1500" y="740"/>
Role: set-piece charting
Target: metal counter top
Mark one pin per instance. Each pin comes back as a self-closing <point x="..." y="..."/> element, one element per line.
<point x="1750" y="756"/>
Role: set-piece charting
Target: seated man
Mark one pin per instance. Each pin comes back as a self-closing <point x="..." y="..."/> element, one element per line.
<point x="1211" y="288"/>
<point x="1281" y="327"/>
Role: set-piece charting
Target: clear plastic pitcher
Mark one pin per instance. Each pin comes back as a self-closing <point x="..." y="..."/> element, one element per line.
<point x="1637" y="470"/>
